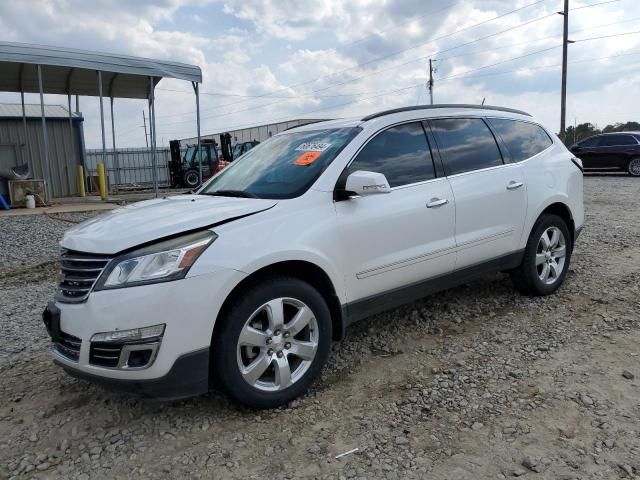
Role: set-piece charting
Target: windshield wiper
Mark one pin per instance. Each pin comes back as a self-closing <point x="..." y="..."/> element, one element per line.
<point x="230" y="193"/>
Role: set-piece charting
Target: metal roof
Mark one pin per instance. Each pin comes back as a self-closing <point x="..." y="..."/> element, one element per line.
<point x="10" y="110"/>
<point x="68" y="70"/>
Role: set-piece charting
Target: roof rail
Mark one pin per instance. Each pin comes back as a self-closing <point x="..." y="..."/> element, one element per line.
<point x="442" y="105"/>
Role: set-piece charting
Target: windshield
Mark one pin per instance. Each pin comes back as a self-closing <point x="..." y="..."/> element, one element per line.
<point x="188" y="156"/>
<point x="284" y="166"/>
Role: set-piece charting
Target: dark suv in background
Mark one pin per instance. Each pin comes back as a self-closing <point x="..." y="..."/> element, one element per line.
<point x="618" y="151"/>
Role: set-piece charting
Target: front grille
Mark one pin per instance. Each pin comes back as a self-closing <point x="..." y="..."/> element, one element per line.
<point x="79" y="273"/>
<point x="104" y="354"/>
<point x="68" y="346"/>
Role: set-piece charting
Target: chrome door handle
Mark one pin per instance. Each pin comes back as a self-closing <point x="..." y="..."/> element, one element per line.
<point x="437" y="202"/>
<point x="514" y="185"/>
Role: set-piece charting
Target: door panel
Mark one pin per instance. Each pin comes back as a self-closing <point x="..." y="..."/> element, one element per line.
<point x="489" y="216"/>
<point x="393" y="240"/>
<point x="590" y="157"/>
<point x="490" y="196"/>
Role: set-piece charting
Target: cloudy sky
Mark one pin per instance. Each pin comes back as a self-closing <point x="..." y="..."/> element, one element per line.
<point x="272" y="60"/>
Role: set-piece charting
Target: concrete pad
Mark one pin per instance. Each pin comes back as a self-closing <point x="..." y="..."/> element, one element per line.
<point x="68" y="208"/>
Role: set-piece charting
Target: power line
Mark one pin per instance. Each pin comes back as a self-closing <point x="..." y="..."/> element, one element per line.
<point x="606" y="36"/>
<point x="269" y="94"/>
<point x="593" y="5"/>
<point x="536" y="52"/>
<point x="528" y="69"/>
<point x="311" y="93"/>
<point x="362" y="39"/>
<point x="384" y="57"/>
<point x="241" y="126"/>
<point x="335" y="48"/>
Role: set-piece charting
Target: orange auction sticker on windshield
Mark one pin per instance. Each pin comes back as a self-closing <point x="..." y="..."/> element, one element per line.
<point x="307" y="158"/>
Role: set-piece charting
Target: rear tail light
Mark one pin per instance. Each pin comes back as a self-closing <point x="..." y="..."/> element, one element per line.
<point x="578" y="163"/>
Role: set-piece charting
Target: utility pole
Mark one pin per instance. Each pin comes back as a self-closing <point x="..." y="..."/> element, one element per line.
<point x="565" y="45"/>
<point x="430" y="84"/>
<point x="144" y="121"/>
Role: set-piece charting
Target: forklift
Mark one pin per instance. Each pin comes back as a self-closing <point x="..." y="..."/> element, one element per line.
<point x="185" y="171"/>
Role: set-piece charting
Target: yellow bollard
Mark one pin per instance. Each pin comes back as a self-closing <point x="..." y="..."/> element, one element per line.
<point x="81" y="191"/>
<point x="101" y="182"/>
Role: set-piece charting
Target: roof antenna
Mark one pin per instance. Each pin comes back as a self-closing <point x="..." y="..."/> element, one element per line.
<point x="483" y="100"/>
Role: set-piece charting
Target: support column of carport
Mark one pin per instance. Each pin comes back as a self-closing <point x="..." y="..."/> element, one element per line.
<point x="196" y="89"/>
<point x="45" y="138"/>
<point x="152" y="134"/>
<point x="73" y="150"/>
<point x="116" y="160"/>
<point x="104" y="142"/>
<point x="24" y="119"/>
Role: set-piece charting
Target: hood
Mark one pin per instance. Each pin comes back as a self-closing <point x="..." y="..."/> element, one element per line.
<point x="142" y="222"/>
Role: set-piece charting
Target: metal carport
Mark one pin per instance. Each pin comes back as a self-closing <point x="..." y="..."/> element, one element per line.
<point x="65" y="71"/>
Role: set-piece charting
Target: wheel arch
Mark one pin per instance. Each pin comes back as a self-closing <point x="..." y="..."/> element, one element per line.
<point x="300" y="269"/>
<point x="563" y="211"/>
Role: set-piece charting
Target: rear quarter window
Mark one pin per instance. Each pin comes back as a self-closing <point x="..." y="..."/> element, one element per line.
<point x="523" y="139"/>
<point x="617" y="140"/>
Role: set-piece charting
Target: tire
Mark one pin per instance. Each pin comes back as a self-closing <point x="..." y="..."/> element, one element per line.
<point x="252" y="350"/>
<point x="633" y="167"/>
<point x="191" y="178"/>
<point x="543" y="269"/>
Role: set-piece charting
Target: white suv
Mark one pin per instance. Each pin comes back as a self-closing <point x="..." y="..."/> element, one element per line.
<point x="246" y="282"/>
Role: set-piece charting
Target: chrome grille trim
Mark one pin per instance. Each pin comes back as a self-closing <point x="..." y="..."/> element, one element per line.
<point x="79" y="272"/>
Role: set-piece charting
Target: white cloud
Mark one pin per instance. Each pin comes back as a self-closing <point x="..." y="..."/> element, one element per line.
<point x="311" y="50"/>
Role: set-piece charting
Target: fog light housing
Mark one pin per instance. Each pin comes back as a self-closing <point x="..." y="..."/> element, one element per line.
<point x="139" y="358"/>
<point x="134" y="335"/>
<point x="134" y="349"/>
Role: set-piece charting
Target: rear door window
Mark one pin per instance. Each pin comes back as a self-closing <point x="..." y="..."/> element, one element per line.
<point x="617" y="140"/>
<point x="400" y="153"/>
<point x="523" y="139"/>
<point x="466" y="144"/>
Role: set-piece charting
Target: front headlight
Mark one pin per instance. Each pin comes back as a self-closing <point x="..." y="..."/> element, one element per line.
<point x="161" y="262"/>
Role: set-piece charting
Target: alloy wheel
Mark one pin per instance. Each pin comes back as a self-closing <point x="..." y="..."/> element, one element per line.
<point x="277" y="344"/>
<point x="551" y="255"/>
<point x="634" y="167"/>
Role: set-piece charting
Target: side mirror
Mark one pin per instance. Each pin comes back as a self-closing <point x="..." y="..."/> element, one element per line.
<point x="367" y="183"/>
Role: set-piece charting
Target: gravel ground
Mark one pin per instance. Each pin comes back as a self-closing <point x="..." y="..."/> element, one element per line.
<point x="478" y="382"/>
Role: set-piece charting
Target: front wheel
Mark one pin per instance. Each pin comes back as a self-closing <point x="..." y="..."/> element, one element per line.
<point x="546" y="257"/>
<point x="633" y="168"/>
<point x="272" y="343"/>
<point x="191" y="178"/>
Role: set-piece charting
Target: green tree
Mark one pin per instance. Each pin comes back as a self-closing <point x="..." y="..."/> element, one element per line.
<point x="622" y="127"/>
<point x="580" y="132"/>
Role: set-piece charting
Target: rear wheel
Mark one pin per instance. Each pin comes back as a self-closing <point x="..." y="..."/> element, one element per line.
<point x="546" y="257"/>
<point x="191" y="178"/>
<point x="272" y="343"/>
<point x="633" y="168"/>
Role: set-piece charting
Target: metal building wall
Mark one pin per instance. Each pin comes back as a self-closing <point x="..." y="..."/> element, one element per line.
<point x="63" y="158"/>
<point x="260" y="133"/>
